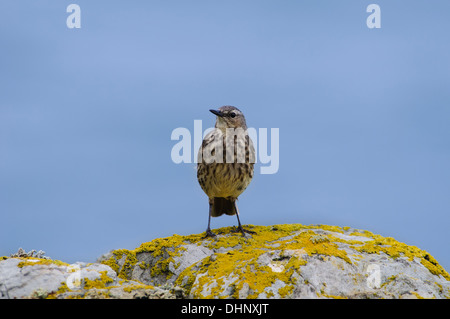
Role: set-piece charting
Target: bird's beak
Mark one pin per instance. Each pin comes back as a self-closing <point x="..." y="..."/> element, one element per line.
<point x="218" y="113"/>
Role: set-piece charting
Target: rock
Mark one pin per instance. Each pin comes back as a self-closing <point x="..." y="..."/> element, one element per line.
<point x="286" y="261"/>
<point x="281" y="261"/>
<point x="39" y="278"/>
<point x="22" y="253"/>
<point x="21" y="277"/>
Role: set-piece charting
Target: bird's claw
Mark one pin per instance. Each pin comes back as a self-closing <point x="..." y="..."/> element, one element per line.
<point x="209" y="233"/>
<point x="242" y="230"/>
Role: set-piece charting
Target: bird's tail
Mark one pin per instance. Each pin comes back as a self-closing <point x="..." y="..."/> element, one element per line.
<point x="223" y="206"/>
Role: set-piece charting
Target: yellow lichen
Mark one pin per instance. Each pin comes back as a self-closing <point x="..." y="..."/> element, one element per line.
<point x="63" y="288"/>
<point x="331" y="296"/>
<point x="33" y="261"/>
<point x="166" y="248"/>
<point x="99" y="283"/>
<point x="417" y="295"/>
<point x="131" y="288"/>
<point x="285" y="291"/>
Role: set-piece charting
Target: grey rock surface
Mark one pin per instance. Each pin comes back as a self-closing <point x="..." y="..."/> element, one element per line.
<point x="19" y="282"/>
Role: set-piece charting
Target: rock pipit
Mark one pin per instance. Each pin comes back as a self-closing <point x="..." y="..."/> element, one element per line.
<point x="225" y="164"/>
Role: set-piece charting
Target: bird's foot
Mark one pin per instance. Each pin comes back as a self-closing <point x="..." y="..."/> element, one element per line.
<point x="242" y="230"/>
<point x="209" y="233"/>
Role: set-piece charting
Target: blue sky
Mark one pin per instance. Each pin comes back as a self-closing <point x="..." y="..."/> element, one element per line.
<point x="86" y="117"/>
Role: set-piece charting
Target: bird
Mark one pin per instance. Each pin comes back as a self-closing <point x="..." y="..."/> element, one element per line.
<point x="225" y="164"/>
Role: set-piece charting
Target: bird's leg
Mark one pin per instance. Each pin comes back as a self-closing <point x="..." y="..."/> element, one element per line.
<point x="240" y="228"/>
<point x="209" y="233"/>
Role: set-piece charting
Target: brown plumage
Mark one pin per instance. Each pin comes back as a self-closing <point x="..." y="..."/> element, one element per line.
<point x="225" y="163"/>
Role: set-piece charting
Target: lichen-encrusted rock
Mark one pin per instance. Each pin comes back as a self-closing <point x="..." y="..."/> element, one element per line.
<point x="281" y="261"/>
<point x="32" y="277"/>
<point x="285" y="261"/>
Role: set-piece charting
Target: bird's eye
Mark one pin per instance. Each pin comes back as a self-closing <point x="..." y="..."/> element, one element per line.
<point x="232" y="114"/>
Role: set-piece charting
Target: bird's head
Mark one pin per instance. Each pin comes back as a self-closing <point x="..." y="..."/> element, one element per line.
<point x="229" y="117"/>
